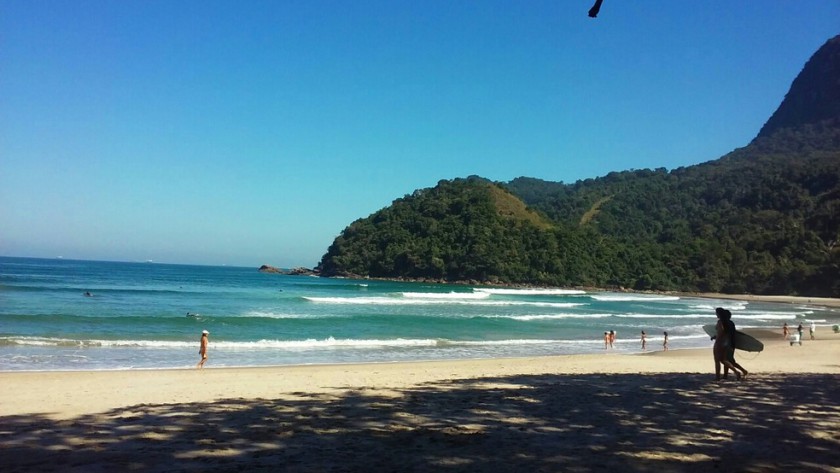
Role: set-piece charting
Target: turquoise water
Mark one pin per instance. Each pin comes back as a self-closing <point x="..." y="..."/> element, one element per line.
<point x="136" y="317"/>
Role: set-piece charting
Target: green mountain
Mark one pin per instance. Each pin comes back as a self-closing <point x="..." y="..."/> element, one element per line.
<point x="764" y="219"/>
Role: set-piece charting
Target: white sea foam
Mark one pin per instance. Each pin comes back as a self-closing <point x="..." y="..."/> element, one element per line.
<point x="728" y="305"/>
<point x="777" y="316"/>
<point x="445" y="295"/>
<point x="326" y="343"/>
<point x="329" y="342"/>
<point x="259" y="344"/>
<point x="559" y="305"/>
<point x="529" y="292"/>
<point x="672" y="337"/>
<point x="275" y="315"/>
<point x="661" y="316"/>
<point x="70" y="343"/>
<point x="631" y="298"/>
<point x="431" y="301"/>
<point x="529" y="317"/>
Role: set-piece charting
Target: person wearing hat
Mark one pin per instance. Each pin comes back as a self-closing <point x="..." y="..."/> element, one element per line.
<point x="202" y="351"/>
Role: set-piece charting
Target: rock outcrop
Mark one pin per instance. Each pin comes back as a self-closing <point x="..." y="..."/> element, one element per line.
<point x="814" y="96"/>
<point x="299" y="271"/>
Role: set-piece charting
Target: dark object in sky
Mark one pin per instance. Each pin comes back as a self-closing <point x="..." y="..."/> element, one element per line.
<point x="593" y="12"/>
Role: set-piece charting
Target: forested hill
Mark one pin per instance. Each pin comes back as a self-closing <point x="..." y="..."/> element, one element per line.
<point x="465" y="229"/>
<point x="764" y="219"/>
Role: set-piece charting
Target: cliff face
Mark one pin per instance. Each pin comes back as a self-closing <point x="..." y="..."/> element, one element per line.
<point x="814" y="96"/>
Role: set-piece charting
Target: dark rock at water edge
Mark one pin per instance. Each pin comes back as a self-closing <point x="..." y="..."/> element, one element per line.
<point x="299" y="271"/>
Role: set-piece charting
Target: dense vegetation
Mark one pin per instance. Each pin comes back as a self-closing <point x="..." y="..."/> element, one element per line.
<point x="466" y="229"/>
<point x="763" y="219"/>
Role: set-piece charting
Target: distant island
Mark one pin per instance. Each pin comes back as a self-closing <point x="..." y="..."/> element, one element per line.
<point x="763" y="219"/>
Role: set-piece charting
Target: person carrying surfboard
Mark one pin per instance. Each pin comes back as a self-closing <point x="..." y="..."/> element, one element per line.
<point x="719" y="350"/>
<point x="731" y="332"/>
<point x="724" y="348"/>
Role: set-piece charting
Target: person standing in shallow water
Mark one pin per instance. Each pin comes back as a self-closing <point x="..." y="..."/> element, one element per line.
<point x="606" y="340"/>
<point x="202" y="350"/>
<point x="644" y="340"/>
<point x="665" y="342"/>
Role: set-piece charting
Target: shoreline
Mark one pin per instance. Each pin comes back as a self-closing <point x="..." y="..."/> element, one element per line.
<point x="67" y="393"/>
<point x="815" y="301"/>
<point x="654" y="411"/>
<point x="762" y="333"/>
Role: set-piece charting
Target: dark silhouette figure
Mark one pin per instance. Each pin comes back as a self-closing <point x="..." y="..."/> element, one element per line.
<point x="593" y="12"/>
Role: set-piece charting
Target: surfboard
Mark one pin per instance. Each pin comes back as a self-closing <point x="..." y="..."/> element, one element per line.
<point x="742" y="340"/>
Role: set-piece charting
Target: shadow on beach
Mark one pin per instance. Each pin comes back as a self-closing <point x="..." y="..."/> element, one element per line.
<point x="582" y="423"/>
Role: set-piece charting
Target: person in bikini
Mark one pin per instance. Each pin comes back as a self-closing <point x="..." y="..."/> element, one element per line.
<point x="202" y="350"/>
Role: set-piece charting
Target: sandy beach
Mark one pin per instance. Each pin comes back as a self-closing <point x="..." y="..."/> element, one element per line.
<point x="799" y="300"/>
<point x="656" y="411"/>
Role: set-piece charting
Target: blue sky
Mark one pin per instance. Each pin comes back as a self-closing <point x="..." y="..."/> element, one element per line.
<point x="243" y="133"/>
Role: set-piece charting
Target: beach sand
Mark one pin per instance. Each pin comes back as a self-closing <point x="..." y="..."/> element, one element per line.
<point x="658" y="411"/>
<point x="798" y="300"/>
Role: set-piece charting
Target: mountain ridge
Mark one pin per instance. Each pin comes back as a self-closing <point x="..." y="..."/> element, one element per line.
<point x="814" y="96"/>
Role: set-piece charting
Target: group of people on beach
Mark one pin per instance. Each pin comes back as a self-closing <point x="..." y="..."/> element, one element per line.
<point x="609" y="340"/>
<point x="800" y="332"/>
<point x="664" y="341"/>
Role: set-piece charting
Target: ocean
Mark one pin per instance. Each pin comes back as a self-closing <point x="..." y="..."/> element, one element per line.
<point x="150" y="316"/>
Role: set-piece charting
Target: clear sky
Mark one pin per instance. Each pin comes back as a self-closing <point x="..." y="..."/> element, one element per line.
<point x="243" y="133"/>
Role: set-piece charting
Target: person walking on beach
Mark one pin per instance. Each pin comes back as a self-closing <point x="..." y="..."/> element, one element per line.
<point x="812" y="329"/>
<point x="612" y="338"/>
<point x="801" y="332"/>
<point x="644" y="340"/>
<point x="724" y="348"/>
<point x="785" y="331"/>
<point x="202" y="350"/>
<point x="606" y="340"/>
<point x="730" y="331"/>
<point x="665" y="342"/>
<point x="720" y="350"/>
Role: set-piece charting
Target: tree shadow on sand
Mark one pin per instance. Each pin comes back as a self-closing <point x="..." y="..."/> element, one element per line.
<point x="581" y="423"/>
